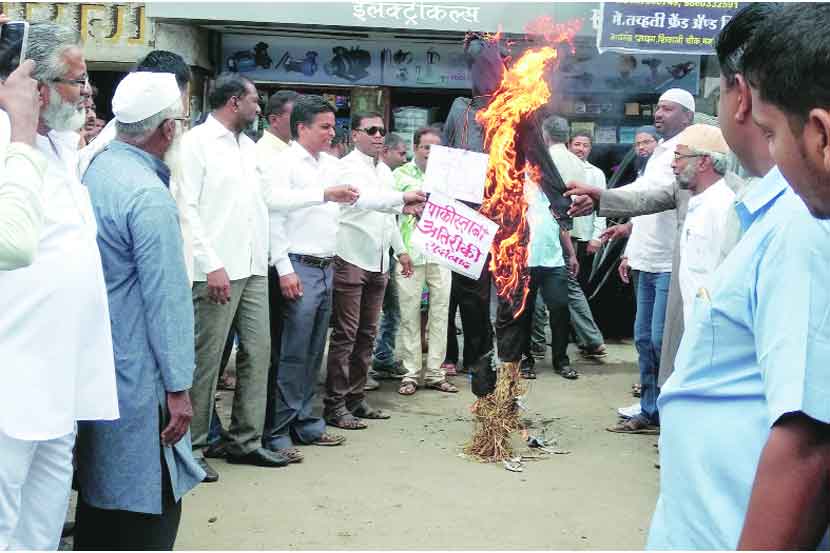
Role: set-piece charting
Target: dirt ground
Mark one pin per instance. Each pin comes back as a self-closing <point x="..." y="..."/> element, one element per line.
<point x="404" y="483"/>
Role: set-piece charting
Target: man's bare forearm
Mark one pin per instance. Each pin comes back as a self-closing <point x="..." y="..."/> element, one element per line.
<point x="788" y="508"/>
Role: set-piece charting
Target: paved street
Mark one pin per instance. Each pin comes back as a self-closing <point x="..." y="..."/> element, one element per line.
<point x="403" y="484"/>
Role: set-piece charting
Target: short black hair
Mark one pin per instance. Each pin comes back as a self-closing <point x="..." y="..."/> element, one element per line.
<point x="278" y="100"/>
<point x="305" y="109"/>
<point x="583" y="134"/>
<point x="788" y="60"/>
<point x="227" y="86"/>
<point x="416" y="138"/>
<point x="393" y="140"/>
<point x="735" y="36"/>
<point x="359" y="116"/>
<point x="162" y="61"/>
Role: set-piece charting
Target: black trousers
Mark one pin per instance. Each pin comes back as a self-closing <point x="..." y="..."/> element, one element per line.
<point x="116" y="530"/>
<point x="275" y="307"/>
<point x="472" y="297"/>
<point x="514" y="333"/>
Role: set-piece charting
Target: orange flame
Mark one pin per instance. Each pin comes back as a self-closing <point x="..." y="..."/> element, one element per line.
<point x="523" y="90"/>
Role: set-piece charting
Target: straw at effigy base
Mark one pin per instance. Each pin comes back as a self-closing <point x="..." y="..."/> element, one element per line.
<point x="496" y="417"/>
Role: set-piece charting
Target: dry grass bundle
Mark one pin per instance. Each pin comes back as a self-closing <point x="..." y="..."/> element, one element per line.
<point x="496" y="416"/>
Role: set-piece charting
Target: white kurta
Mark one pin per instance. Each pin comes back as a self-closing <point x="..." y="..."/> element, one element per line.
<point x="701" y="241"/>
<point x="55" y="339"/>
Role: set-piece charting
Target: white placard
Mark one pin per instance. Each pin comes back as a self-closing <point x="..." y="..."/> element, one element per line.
<point x="456" y="173"/>
<point x="453" y="235"/>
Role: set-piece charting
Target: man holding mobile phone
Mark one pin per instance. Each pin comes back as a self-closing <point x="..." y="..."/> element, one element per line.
<point x="56" y="377"/>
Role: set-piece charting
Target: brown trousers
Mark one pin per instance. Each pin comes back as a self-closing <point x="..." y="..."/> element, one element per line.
<point x="357" y="301"/>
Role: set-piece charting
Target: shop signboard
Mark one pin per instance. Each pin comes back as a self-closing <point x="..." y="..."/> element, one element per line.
<point x="453" y="235"/>
<point x="346" y="62"/>
<point x="663" y="27"/>
<point x="456" y="173"/>
<point x="585" y="71"/>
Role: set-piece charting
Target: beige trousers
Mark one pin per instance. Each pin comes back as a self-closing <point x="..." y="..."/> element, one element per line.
<point x="439" y="281"/>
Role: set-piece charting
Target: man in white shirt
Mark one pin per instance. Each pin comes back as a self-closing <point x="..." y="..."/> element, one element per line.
<point x="51" y="379"/>
<point x="361" y="273"/>
<point x="699" y="165"/>
<point x="229" y="220"/>
<point x="23" y="169"/>
<point x="302" y="185"/>
<point x="585" y="234"/>
<point x="274" y="140"/>
<point x="650" y="250"/>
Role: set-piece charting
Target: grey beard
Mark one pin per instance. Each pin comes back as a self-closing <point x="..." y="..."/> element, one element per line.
<point x="61" y="116"/>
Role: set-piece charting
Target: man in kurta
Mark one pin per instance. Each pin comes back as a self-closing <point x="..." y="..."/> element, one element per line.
<point x="55" y="342"/>
<point x="133" y="472"/>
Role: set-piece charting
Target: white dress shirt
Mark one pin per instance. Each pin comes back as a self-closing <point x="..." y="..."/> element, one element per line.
<point x="55" y="338"/>
<point x="365" y="236"/>
<point x="225" y="205"/>
<point x="701" y="240"/>
<point x="295" y="183"/>
<point x="650" y="247"/>
<point x="590" y="227"/>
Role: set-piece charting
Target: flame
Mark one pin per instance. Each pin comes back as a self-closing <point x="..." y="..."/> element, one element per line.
<point x="522" y="91"/>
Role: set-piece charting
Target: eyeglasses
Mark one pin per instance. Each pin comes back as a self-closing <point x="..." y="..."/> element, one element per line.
<point x="82" y="82"/>
<point x="681" y="156"/>
<point x="371" y="131"/>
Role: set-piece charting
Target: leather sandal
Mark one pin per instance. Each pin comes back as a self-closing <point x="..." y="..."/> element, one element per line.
<point x="329" y="439"/>
<point x="347" y="422"/>
<point x="443" y="386"/>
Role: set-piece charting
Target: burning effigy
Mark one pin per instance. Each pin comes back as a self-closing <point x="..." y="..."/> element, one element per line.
<point x="518" y="154"/>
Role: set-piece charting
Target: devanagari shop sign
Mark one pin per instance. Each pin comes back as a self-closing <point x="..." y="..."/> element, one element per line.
<point x="456" y="173"/>
<point x="453" y="235"/>
<point x="663" y="27"/>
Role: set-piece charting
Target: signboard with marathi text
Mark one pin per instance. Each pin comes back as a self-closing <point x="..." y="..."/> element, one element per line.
<point x="456" y="173"/>
<point x="453" y="235"/>
<point x="663" y="27"/>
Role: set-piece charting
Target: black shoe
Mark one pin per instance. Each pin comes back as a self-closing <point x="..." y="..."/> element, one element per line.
<point x="259" y="457"/>
<point x="216" y="451"/>
<point x="210" y="474"/>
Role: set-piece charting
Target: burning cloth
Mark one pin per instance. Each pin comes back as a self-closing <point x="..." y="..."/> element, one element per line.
<point x="512" y="124"/>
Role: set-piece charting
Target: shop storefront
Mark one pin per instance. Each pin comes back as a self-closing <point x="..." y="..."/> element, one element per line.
<point x="115" y="36"/>
<point x="406" y="58"/>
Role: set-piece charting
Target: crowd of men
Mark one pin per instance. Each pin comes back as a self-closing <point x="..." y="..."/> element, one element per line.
<point x="158" y="249"/>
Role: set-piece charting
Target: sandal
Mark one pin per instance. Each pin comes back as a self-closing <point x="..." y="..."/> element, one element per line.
<point x="634" y="426"/>
<point x="528" y="374"/>
<point x="329" y="440"/>
<point x="347" y="422"/>
<point x="597" y="352"/>
<point x="290" y="454"/>
<point x="364" y="411"/>
<point x="443" y="386"/>
<point x="407" y="388"/>
<point x="449" y="369"/>
<point x="568" y="372"/>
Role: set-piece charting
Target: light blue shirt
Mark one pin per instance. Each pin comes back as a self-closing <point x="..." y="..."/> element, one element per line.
<point x="545" y="247"/>
<point x="758" y="347"/>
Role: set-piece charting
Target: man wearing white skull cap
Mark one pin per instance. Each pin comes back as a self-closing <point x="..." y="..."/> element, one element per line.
<point x="133" y="472"/>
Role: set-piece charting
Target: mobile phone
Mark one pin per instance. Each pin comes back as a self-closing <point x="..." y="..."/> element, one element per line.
<point x="14" y="37"/>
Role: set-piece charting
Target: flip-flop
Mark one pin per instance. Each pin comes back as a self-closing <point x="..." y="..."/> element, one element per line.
<point x="347" y="422"/>
<point x="329" y="440"/>
<point x="634" y="426"/>
<point x="407" y="389"/>
<point x="443" y="386"/>
<point x="366" y="412"/>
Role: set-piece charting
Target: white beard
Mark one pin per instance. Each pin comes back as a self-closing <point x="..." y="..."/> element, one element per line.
<point x="172" y="157"/>
<point x="62" y="116"/>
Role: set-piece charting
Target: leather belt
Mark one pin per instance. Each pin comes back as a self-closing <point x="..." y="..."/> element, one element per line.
<point x="319" y="262"/>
